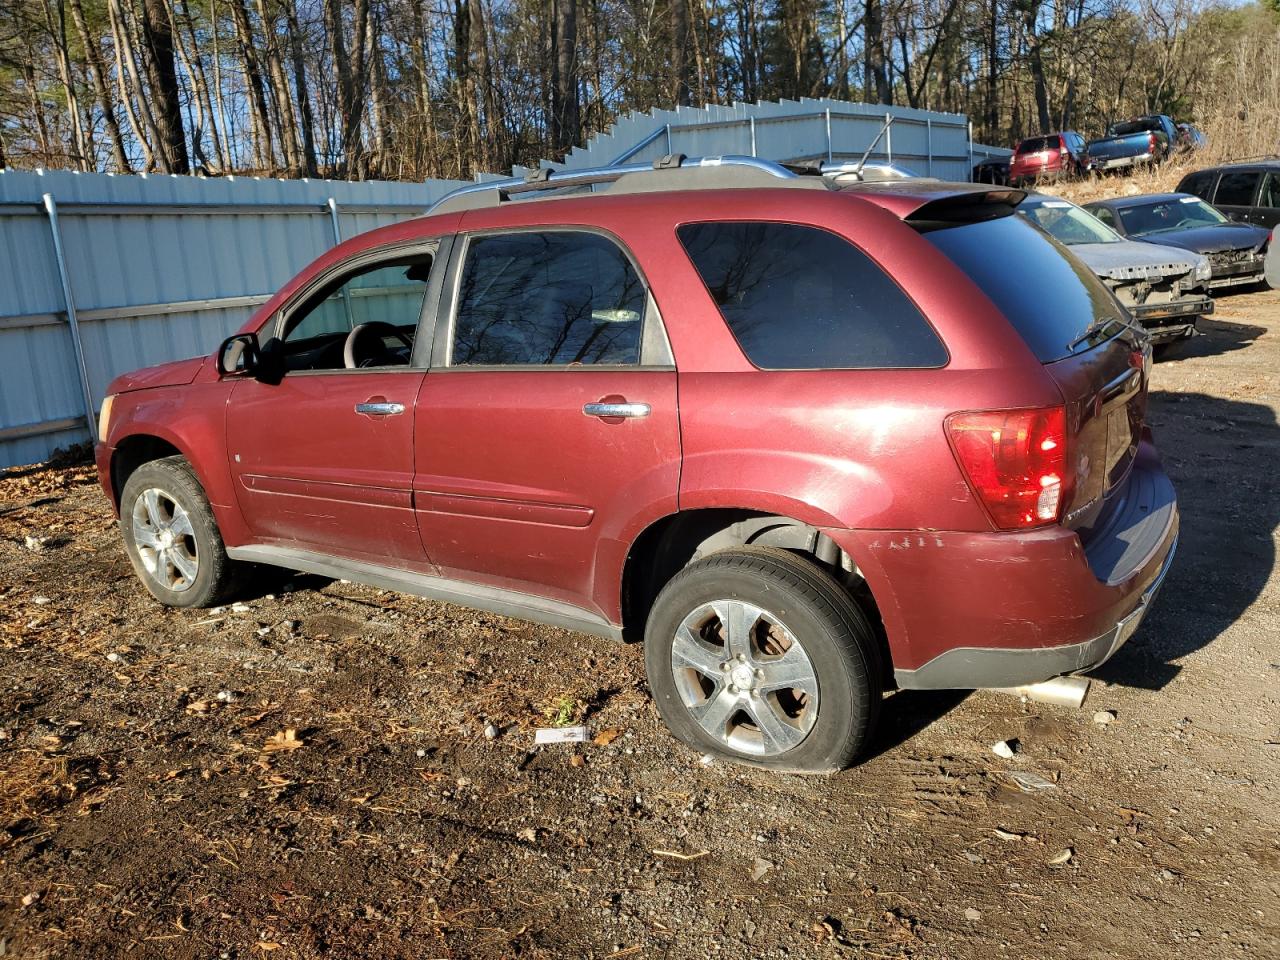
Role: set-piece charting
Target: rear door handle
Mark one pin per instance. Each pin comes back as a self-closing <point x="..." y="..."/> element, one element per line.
<point x="380" y="409"/>
<point x="608" y="410"/>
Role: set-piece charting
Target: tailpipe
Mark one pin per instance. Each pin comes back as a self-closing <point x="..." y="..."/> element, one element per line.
<point x="1060" y="691"/>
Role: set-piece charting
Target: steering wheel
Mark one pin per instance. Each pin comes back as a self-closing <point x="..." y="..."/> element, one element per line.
<point x="378" y="327"/>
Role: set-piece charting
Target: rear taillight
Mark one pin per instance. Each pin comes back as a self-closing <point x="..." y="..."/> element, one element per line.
<point x="1151" y="142"/>
<point x="1016" y="462"/>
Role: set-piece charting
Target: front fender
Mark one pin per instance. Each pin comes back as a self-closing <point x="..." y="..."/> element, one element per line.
<point x="192" y="419"/>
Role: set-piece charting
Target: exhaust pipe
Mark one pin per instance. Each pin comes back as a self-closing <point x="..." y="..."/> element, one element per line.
<point x="1059" y="691"/>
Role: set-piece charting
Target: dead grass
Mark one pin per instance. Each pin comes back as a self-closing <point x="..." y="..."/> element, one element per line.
<point x="1161" y="179"/>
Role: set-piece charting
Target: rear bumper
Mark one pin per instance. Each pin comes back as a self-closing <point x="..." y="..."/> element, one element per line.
<point x="971" y="610"/>
<point x="1117" y="163"/>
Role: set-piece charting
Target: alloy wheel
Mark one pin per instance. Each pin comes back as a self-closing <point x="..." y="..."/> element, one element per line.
<point x="745" y="678"/>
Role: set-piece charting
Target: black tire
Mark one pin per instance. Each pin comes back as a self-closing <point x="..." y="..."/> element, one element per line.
<point x="217" y="575"/>
<point x="829" y="625"/>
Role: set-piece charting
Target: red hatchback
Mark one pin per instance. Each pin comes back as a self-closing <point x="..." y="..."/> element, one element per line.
<point x="1048" y="157"/>
<point x="808" y="441"/>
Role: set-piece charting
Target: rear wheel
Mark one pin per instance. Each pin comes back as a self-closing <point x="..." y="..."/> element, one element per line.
<point x="171" y="536"/>
<point x="760" y="656"/>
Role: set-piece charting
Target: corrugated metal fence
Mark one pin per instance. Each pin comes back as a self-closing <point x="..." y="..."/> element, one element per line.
<point x="100" y="275"/>
<point x="156" y="269"/>
<point x="930" y="143"/>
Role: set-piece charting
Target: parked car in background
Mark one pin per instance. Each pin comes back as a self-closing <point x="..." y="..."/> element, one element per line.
<point x="1164" y="289"/>
<point x="909" y="445"/>
<point x="1236" y="251"/>
<point x="1248" y="192"/>
<point x="1273" y="260"/>
<point x="993" y="170"/>
<point x="1049" y="156"/>
<point x="1147" y="139"/>
<point x="1191" y="137"/>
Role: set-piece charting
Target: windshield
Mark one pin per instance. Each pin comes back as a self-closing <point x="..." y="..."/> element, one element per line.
<point x="1067" y="223"/>
<point x="1179" y="213"/>
<point x="1051" y="298"/>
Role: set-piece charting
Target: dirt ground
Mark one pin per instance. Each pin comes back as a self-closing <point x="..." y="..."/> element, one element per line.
<point x="308" y="774"/>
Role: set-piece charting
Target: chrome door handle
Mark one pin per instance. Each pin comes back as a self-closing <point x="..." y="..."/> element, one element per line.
<point x="380" y="409"/>
<point x="606" y="410"/>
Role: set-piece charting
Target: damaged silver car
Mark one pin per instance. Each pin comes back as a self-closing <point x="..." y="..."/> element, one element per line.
<point x="1164" y="289"/>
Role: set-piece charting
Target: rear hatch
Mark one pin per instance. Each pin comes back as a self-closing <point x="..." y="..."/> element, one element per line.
<point x="1037" y="154"/>
<point x="1077" y="329"/>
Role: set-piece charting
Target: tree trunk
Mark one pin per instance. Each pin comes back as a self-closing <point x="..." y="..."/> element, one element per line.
<point x="304" y="97"/>
<point x="351" y="76"/>
<point x="58" y="34"/>
<point x="281" y="96"/>
<point x="137" y="104"/>
<point x="565" y="126"/>
<point x="680" y="51"/>
<point x="258" y="115"/>
<point x="876" y="80"/>
<point x="157" y="40"/>
<point x="98" y="72"/>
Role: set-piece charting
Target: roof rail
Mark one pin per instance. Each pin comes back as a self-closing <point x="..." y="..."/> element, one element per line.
<point x="491" y="192"/>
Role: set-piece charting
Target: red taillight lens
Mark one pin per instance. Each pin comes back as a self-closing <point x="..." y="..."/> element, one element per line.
<point x="1016" y="461"/>
<point x="1151" y="139"/>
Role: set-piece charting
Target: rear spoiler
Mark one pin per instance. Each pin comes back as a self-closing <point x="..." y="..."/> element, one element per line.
<point x="968" y="207"/>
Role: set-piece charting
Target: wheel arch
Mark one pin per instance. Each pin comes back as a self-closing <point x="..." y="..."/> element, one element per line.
<point x="669" y="544"/>
<point x="136" y="449"/>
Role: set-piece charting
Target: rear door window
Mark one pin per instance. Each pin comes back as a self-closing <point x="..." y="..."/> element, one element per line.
<point x="553" y="298"/>
<point x="1049" y="296"/>
<point x="800" y="298"/>
<point x="1237" y="188"/>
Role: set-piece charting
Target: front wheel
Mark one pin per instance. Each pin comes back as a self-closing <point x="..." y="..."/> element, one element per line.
<point x="760" y="656"/>
<point x="171" y="536"/>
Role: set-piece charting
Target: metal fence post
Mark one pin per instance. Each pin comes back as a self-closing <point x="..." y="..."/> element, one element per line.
<point x="888" y="135"/>
<point x="667" y="130"/>
<point x="971" y="148"/>
<point x="928" y="147"/>
<point x="332" y="204"/>
<point x="753" y="136"/>
<point x="51" y="207"/>
<point x="829" y="154"/>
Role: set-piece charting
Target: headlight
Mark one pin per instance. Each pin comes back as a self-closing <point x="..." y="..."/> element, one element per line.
<point x="104" y="417"/>
<point x="1203" y="269"/>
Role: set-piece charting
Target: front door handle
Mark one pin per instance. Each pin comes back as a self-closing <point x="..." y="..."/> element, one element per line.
<point x="380" y="408"/>
<point x="606" y="410"/>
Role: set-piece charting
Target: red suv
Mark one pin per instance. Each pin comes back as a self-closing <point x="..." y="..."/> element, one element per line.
<point x="808" y="440"/>
<point x="1049" y="157"/>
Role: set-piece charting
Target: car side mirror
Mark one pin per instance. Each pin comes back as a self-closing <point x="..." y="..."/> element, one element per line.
<point x="239" y="356"/>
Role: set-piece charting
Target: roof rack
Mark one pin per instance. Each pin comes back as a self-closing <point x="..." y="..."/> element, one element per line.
<point x="730" y="170"/>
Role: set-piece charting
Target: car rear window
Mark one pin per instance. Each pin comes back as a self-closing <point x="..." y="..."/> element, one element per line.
<point x="1036" y="144"/>
<point x="1049" y="296"/>
<point x="800" y="298"/>
<point x="1127" y="127"/>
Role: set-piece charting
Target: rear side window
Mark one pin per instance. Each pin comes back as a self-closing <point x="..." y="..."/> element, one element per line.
<point x="1049" y="296"/>
<point x="800" y="298"/>
<point x="1201" y="184"/>
<point x="552" y="298"/>
<point x="1238" y="188"/>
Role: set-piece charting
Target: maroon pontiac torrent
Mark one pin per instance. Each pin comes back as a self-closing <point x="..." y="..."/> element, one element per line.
<point x="809" y="440"/>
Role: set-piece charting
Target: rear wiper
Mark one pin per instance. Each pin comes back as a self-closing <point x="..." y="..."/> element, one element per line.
<point x="1101" y="324"/>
